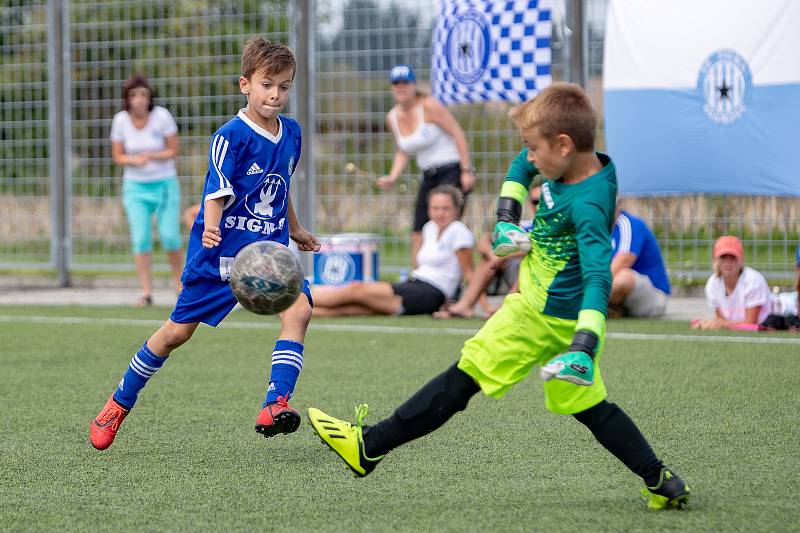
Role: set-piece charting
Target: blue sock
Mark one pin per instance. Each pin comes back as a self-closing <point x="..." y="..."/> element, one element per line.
<point x="143" y="365"/>
<point x="287" y="361"/>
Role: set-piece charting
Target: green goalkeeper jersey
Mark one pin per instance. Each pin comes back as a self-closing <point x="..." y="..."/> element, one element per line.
<point x="568" y="267"/>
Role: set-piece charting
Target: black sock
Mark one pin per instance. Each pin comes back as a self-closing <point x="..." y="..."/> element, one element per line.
<point x="618" y="434"/>
<point x="432" y="406"/>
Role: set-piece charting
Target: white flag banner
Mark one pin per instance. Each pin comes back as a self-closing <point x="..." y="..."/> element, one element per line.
<point x="703" y="96"/>
<point x="491" y="50"/>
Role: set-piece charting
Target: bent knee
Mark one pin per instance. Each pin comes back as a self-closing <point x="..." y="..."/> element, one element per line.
<point x="174" y="335"/>
<point x="299" y="313"/>
<point x="355" y="287"/>
<point x="623" y="283"/>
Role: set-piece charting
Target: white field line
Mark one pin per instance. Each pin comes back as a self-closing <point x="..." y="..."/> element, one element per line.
<point x="363" y="328"/>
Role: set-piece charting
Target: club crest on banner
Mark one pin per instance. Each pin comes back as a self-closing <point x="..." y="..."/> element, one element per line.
<point x="337" y="268"/>
<point x="725" y="82"/>
<point x="270" y="199"/>
<point x="468" y="46"/>
<point x="491" y="50"/>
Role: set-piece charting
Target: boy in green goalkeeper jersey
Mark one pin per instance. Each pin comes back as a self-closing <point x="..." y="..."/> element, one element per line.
<point x="556" y="320"/>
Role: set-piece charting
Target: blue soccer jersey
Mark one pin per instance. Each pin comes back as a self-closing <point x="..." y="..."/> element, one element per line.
<point x="631" y="234"/>
<point x="251" y="170"/>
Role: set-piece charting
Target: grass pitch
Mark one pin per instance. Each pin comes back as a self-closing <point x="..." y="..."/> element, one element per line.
<point x="720" y="408"/>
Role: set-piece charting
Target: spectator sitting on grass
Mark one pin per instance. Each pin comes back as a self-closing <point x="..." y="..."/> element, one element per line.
<point x="785" y="306"/>
<point x="738" y="294"/>
<point x="640" y="286"/>
<point x="489" y="268"/>
<point x="443" y="259"/>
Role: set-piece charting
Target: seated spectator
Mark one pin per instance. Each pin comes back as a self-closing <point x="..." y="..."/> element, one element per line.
<point x="488" y="268"/>
<point x="443" y="258"/>
<point x="738" y="294"/>
<point x="785" y="306"/>
<point x="640" y="286"/>
<point x="794" y="322"/>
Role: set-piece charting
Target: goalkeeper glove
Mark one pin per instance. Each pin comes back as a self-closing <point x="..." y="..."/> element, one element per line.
<point x="576" y="365"/>
<point x="508" y="238"/>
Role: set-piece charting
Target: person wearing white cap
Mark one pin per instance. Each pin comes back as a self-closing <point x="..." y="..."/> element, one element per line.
<point x="424" y="128"/>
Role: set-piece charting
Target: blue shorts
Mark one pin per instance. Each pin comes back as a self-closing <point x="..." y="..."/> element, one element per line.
<point x="209" y="301"/>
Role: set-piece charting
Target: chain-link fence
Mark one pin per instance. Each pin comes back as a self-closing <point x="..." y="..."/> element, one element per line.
<point x="24" y="144"/>
<point x="353" y="97"/>
<point x="190" y="50"/>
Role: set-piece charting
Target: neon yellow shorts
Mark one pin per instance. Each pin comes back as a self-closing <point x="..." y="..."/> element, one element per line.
<point x="516" y="338"/>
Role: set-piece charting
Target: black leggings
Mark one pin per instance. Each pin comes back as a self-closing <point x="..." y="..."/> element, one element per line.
<point x="446" y="175"/>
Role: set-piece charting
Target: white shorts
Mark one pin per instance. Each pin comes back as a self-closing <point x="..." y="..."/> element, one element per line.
<point x="645" y="300"/>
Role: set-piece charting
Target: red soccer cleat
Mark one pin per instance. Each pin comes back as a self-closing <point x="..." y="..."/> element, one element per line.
<point x="103" y="429"/>
<point x="277" y="418"/>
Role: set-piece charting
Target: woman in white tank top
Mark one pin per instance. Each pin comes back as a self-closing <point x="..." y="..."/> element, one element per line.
<point x="424" y="128"/>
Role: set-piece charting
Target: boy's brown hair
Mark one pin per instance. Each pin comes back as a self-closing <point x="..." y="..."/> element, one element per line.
<point x="559" y="108"/>
<point x="267" y="56"/>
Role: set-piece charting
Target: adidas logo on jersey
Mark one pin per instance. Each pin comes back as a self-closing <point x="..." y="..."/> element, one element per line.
<point x="254" y="169"/>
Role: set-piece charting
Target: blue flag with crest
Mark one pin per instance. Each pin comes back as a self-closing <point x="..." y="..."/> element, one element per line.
<point x="491" y="50"/>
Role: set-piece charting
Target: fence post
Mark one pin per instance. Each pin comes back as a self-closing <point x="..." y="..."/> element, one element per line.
<point x="303" y="44"/>
<point x="58" y="66"/>
<point x="576" y="48"/>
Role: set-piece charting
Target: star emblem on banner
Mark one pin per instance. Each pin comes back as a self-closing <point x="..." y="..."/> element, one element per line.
<point x="724" y="90"/>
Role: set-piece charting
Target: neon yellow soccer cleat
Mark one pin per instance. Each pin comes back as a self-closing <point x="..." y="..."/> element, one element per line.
<point x="345" y="439"/>
<point x="669" y="492"/>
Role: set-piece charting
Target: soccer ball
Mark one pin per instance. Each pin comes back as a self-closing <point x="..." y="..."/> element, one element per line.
<point x="266" y="277"/>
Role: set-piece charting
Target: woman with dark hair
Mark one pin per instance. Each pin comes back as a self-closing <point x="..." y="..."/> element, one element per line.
<point x="444" y="258"/>
<point x="426" y="129"/>
<point x="144" y="141"/>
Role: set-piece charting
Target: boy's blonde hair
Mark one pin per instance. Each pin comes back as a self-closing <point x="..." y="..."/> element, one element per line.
<point x="560" y="108"/>
<point x="267" y="56"/>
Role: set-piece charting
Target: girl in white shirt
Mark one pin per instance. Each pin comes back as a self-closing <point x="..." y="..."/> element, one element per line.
<point x="444" y="257"/>
<point x="144" y="141"/>
<point x="739" y="295"/>
<point x="426" y="129"/>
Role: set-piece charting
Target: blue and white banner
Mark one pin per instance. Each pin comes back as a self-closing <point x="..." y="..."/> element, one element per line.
<point x="703" y="96"/>
<point x="491" y="50"/>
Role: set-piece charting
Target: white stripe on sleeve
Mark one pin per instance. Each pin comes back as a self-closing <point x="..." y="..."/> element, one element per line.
<point x="625" y="234"/>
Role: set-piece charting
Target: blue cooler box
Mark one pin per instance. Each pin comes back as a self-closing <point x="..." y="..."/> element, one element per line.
<point x="346" y="257"/>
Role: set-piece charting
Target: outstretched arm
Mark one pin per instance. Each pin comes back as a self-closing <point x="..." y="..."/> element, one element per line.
<point x="398" y="165"/>
<point x="306" y="242"/>
<point x="464" y="256"/>
<point x="212" y="214"/>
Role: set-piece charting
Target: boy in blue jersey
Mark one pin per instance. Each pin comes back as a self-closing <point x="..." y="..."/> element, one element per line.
<point x="246" y="199"/>
<point x="640" y="285"/>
